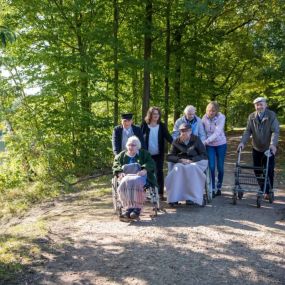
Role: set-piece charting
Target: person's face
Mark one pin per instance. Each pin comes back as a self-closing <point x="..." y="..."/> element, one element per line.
<point x="132" y="148"/>
<point x="211" y="112"/>
<point x="154" y="116"/>
<point x="127" y="123"/>
<point x="260" y="107"/>
<point x="185" y="134"/>
<point x="190" y="115"/>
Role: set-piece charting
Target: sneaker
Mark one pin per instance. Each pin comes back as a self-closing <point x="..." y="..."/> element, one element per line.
<point x="218" y="193"/>
<point x="125" y="215"/>
<point x="135" y="213"/>
<point x="266" y="196"/>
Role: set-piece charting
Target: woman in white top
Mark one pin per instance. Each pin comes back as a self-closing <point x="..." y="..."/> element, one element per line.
<point x="155" y="133"/>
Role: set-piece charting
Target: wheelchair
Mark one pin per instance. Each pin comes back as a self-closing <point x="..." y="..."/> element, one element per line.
<point x="151" y="197"/>
<point x="208" y="194"/>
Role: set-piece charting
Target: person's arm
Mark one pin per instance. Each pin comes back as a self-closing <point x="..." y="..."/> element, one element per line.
<point x="141" y="138"/>
<point x="148" y="164"/>
<point x="166" y="134"/>
<point x="201" y="150"/>
<point x="275" y="129"/>
<point x="201" y="131"/>
<point x="218" y="130"/>
<point x="117" y="164"/>
<point x="172" y="155"/>
<point x="175" y="132"/>
<point x="115" y="142"/>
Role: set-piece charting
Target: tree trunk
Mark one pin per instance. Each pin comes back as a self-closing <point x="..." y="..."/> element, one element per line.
<point x="167" y="64"/>
<point x="147" y="57"/>
<point x="177" y="80"/>
<point x="116" y="70"/>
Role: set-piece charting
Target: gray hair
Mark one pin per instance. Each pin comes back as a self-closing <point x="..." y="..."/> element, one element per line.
<point x="189" y="108"/>
<point x="134" y="140"/>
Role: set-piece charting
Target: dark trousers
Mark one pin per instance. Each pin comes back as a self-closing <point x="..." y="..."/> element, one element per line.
<point x="158" y="159"/>
<point x="259" y="159"/>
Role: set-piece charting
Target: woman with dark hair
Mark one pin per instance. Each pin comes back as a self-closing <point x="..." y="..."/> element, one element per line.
<point x="155" y="133"/>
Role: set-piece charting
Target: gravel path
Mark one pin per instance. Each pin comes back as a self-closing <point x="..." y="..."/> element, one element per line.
<point x="218" y="244"/>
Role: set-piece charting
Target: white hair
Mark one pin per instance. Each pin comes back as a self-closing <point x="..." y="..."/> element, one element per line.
<point x="189" y="108"/>
<point x="134" y="140"/>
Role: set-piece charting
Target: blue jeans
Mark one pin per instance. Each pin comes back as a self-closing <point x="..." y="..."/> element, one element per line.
<point x="217" y="155"/>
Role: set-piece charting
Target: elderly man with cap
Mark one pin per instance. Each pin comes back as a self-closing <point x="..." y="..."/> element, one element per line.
<point x="186" y="181"/>
<point x="124" y="131"/>
<point x="263" y="126"/>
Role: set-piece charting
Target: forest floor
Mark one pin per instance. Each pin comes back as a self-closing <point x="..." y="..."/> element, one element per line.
<point x="76" y="239"/>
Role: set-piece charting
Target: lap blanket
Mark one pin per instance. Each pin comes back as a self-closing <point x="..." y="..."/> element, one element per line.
<point x="186" y="182"/>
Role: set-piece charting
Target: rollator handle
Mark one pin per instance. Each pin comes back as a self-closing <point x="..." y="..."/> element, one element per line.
<point x="268" y="153"/>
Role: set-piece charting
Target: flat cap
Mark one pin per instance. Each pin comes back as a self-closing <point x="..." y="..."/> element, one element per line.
<point x="184" y="126"/>
<point x="259" y="99"/>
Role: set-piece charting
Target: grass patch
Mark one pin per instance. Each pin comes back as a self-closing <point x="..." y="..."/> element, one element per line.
<point x="19" y="246"/>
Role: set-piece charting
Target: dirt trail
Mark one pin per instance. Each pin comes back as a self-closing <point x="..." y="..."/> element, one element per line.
<point x="219" y="244"/>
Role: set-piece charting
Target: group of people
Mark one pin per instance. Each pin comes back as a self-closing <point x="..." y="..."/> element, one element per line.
<point x="196" y="143"/>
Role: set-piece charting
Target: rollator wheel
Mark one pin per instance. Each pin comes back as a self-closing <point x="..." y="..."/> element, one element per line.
<point x="155" y="211"/>
<point x="258" y="201"/>
<point x="240" y="195"/>
<point x="271" y="197"/>
<point x="234" y="198"/>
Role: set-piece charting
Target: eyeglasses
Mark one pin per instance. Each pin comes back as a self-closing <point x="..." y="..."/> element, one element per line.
<point x="132" y="144"/>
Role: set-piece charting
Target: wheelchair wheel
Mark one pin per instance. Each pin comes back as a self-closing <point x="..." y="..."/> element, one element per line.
<point x="271" y="197"/>
<point x="240" y="195"/>
<point x="258" y="201"/>
<point x="234" y="198"/>
<point x="116" y="204"/>
<point x="208" y="186"/>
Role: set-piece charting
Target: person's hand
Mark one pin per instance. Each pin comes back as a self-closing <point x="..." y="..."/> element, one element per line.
<point x="205" y="142"/>
<point x="240" y="146"/>
<point x="142" y="172"/>
<point x="185" y="161"/>
<point x="273" y="149"/>
<point x="121" y="175"/>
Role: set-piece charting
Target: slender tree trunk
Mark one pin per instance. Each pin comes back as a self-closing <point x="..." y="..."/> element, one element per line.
<point x="116" y="70"/>
<point x="147" y="57"/>
<point x="167" y="64"/>
<point x="177" y="80"/>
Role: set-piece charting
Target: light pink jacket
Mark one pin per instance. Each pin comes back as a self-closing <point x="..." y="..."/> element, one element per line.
<point x="214" y="129"/>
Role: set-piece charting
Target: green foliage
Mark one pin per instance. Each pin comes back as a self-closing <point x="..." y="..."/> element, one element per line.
<point x="219" y="50"/>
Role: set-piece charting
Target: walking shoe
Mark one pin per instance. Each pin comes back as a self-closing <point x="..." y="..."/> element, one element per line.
<point x="135" y="213"/>
<point x="189" y="202"/>
<point x="213" y="194"/>
<point x="125" y="215"/>
<point x="266" y="196"/>
<point x="218" y="193"/>
<point x="172" y="204"/>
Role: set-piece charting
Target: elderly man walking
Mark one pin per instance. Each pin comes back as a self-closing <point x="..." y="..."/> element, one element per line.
<point x="263" y="126"/>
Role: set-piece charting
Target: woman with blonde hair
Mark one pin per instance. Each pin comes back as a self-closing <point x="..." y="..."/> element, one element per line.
<point x="216" y="143"/>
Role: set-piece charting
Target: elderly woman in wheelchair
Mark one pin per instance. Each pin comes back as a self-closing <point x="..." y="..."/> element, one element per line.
<point x="186" y="181"/>
<point x="134" y="168"/>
